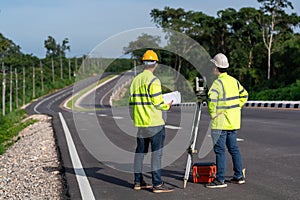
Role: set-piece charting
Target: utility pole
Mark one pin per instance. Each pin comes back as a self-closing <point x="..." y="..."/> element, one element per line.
<point x="3" y="89"/>
<point x="10" y="90"/>
<point x="33" y="82"/>
<point x="24" y="87"/>
<point x="134" y="65"/>
<point x="76" y="67"/>
<point x="52" y="63"/>
<point x="61" y="68"/>
<point x="42" y="76"/>
<point x="83" y="70"/>
<point x="17" y="88"/>
<point x="101" y="64"/>
<point x="69" y="68"/>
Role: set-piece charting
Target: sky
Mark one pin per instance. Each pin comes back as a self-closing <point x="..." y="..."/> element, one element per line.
<point x="86" y="23"/>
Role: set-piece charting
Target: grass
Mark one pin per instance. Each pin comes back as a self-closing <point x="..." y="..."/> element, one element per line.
<point x="10" y="126"/>
<point x="123" y="97"/>
<point x="2" y="149"/>
<point x="71" y="102"/>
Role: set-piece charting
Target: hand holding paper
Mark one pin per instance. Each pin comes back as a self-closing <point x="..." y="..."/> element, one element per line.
<point x="170" y="104"/>
<point x="173" y="98"/>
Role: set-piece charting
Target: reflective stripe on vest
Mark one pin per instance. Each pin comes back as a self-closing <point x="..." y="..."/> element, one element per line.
<point x="146" y="100"/>
<point x="226" y="96"/>
<point x="148" y="94"/>
<point x="225" y="99"/>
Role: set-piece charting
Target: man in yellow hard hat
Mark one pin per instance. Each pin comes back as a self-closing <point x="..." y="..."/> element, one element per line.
<point x="147" y="105"/>
<point x="226" y="97"/>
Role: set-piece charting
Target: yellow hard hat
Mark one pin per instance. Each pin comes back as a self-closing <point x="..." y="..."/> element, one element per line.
<point x="150" y="55"/>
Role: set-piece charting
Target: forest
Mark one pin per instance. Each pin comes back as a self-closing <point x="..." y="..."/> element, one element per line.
<point x="262" y="45"/>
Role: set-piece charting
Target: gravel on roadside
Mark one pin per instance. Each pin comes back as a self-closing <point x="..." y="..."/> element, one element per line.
<point x="30" y="169"/>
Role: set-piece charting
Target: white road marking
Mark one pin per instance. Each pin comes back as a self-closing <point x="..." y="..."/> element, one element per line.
<point x="117" y="117"/>
<point x="83" y="183"/>
<point x="38" y="104"/>
<point x="172" y="127"/>
<point x="78" y="101"/>
<point x="102" y="115"/>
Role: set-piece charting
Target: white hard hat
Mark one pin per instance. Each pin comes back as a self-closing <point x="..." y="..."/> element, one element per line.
<point x="220" y="60"/>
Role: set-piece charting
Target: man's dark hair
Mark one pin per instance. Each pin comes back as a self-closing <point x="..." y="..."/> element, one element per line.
<point x="222" y="70"/>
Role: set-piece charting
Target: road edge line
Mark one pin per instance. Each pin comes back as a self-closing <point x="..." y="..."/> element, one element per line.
<point x="83" y="183"/>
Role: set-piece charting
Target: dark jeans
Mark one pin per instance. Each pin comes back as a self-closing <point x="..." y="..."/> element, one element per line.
<point x="223" y="139"/>
<point x="154" y="136"/>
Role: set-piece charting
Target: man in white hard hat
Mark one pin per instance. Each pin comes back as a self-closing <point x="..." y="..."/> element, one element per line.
<point x="226" y="97"/>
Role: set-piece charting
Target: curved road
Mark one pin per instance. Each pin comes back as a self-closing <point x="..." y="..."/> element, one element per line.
<point x="269" y="143"/>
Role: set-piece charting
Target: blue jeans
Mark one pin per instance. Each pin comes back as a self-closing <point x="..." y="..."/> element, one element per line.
<point x="223" y="139"/>
<point x="145" y="136"/>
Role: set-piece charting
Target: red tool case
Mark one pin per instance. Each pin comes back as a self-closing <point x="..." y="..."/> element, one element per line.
<point x="204" y="172"/>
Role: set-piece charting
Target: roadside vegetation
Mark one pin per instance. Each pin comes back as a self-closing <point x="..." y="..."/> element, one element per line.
<point x="27" y="78"/>
<point x="10" y="126"/>
<point x="262" y="45"/>
<point x="291" y="92"/>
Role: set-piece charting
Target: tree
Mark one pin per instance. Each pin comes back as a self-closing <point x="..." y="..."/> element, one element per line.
<point x="64" y="47"/>
<point x="288" y="61"/>
<point x="8" y="47"/>
<point x="242" y="37"/>
<point x="138" y="47"/>
<point x="179" y="21"/>
<point x="54" y="49"/>
<point x="51" y="46"/>
<point x="272" y="15"/>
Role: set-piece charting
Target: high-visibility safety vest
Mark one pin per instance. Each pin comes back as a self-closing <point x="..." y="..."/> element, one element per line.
<point x="146" y="100"/>
<point x="226" y="97"/>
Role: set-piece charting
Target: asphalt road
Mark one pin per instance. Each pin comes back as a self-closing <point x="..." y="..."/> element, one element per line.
<point x="104" y="142"/>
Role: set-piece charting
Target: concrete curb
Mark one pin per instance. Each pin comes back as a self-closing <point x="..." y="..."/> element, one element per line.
<point x="261" y="104"/>
<point x="274" y="104"/>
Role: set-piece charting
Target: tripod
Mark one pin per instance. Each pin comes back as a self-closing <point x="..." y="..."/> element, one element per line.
<point x="191" y="149"/>
<point x="201" y="91"/>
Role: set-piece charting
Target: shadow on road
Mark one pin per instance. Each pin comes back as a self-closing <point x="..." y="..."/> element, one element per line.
<point x="95" y="172"/>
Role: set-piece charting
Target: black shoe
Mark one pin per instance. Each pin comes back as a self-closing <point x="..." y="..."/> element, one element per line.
<point x="162" y="188"/>
<point x="238" y="180"/>
<point x="216" y="184"/>
<point x="142" y="185"/>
